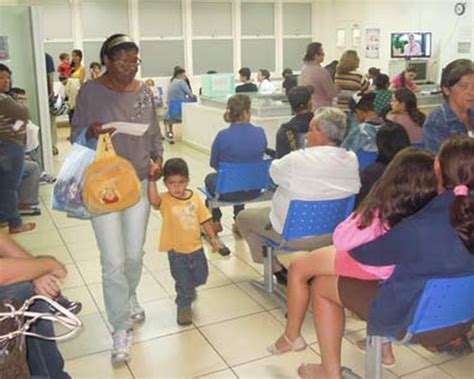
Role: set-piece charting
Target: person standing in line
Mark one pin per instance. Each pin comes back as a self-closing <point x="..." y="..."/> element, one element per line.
<point x="312" y="74"/>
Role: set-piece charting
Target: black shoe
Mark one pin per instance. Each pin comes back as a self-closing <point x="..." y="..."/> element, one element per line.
<point x="72" y="306"/>
<point x="282" y="276"/>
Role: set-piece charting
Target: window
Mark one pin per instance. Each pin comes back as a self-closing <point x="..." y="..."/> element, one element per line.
<point x="160" y="57"/>
<point x="212" y="19"/>
<point x="293" y="52"/>
<point x="101" y="19"/>
<point x="258" y="53"/>
<point x="258" y="19"/>
<point x="213" y="55"/>
<point x="160" y="18"/>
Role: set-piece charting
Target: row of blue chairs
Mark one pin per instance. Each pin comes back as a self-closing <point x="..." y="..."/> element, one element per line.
<point x="445" y="301"/>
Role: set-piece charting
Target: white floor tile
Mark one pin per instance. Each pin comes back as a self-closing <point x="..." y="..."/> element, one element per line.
<point x="460" y="368"/>
<point x="96" y="366"/>
<point x="236" y="269"/>
<point x="281" y="366"/>
<point x="222" y="303"/>
<point x="245" y="338"/>
<point x="181" y="355"/>
<point x="94" y="337"/>
<point x="160" y="321"/>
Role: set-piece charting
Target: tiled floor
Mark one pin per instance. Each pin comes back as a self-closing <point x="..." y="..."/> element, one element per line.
<point x="233" y="322"/>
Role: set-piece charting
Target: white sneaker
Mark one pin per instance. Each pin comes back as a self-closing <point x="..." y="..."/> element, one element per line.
<point x="137" y="313"/>
<point x="121" y="349"/>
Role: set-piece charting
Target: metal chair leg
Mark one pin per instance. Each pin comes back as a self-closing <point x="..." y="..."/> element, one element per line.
<point x="373" y="359"/>
<point x="268" y="268"/>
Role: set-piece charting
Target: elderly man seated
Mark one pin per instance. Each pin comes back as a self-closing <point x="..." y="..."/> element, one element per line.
<point x="321" y="171"/>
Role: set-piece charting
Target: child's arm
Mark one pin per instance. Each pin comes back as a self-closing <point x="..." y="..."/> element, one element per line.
<point x="212" y="236"/>
<point x="153" y="195"/>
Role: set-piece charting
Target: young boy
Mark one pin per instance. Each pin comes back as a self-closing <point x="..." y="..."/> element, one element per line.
<point x="383" y="96"/>
<point x="64" y="68"/>
<point x="183" y="214"/>
<point x="363" y="135"/>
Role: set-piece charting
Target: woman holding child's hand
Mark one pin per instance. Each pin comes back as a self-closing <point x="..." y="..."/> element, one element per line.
<point x="117" y="96"/>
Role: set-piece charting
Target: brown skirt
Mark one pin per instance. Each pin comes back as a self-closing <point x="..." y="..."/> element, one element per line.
<point x="357" y="295"/>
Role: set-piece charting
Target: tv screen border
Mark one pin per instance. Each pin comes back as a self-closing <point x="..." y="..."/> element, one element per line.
<point x="413" y="57"/>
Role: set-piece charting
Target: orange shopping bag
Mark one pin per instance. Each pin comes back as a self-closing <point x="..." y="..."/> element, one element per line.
<point x="110" y="182"/>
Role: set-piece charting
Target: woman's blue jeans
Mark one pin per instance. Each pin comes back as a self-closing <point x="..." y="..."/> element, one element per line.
<point x="120" y="237"/>
<point x="12" y="159"/>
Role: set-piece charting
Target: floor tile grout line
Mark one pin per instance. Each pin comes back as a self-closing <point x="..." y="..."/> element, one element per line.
<point x="198" y="329"/>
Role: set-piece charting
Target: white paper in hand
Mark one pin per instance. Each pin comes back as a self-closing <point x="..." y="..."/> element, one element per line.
<point x="131" y="128"/>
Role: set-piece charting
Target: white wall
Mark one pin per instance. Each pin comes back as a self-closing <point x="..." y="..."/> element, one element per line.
<point x="436" y="16"/>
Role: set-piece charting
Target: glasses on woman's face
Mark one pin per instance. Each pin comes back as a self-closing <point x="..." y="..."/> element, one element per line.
<point x="127" y="63"/>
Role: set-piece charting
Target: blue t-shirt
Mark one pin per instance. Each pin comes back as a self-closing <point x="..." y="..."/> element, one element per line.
<point x="239" y="143"/>
<point x="442" y="123"/>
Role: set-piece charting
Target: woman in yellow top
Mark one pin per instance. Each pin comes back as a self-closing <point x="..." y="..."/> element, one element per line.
<point x="75" y="81"/>
<point x="77" y="67"/>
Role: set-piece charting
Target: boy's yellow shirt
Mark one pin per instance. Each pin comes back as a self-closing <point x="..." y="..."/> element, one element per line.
<point x="182" y="220"/>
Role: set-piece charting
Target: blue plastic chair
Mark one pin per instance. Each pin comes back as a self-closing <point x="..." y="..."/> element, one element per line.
<point x="443" y="303"/>
<point x="235" y="177"/>
<point x="365" y="158"/>
<point x="305" y="219"/>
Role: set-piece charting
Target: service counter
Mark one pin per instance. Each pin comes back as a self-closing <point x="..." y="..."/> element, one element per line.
<point x="203" y="120"/>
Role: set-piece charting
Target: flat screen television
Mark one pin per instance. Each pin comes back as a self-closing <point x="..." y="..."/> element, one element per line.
<point x="408" y="45"/>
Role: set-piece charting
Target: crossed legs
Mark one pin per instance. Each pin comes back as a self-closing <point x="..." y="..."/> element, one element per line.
<point x="301" y="271"/>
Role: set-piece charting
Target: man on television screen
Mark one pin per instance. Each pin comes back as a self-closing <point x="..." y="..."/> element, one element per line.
<point x="412" y="48"/>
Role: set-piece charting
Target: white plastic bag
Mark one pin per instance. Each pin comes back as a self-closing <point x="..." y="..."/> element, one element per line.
<point x="67" y="192"/>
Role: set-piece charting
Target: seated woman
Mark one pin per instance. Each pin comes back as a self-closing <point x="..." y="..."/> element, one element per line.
<point x="290" y="136"/>
<point x="372" y="218"/>
<point x="390" y="139"/>
<point x="406" y="80"/>
<point x="362" y="136"/>
<point x="456" y="114"/>
<point x="406" y="113"/>
<point x="418" y="246"/>
<point x="265" y="86"/>
<point x="241" y="142"/>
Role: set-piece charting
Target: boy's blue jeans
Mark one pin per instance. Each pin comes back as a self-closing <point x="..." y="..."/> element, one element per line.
<point x="44" y="358"/>
<point x="189" y="271"/>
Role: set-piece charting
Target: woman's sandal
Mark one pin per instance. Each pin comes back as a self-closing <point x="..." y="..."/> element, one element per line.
<point x="23" y="228"/>
<point x="298" y="344"/>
